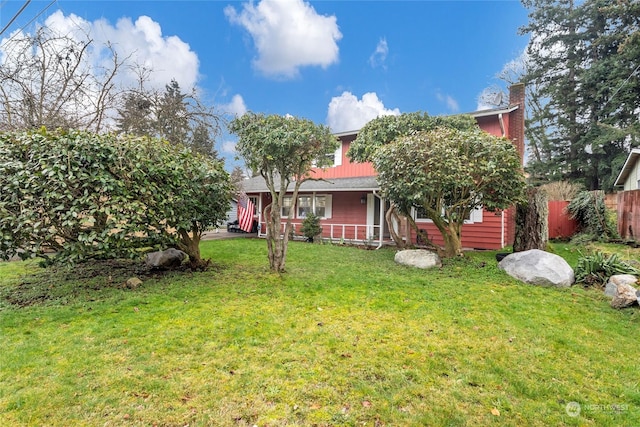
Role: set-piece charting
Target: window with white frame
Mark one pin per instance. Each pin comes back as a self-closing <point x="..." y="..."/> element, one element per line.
<point x="287" y="202"/>
<point x="320" y="204"/>
<point x="305" y="205"/>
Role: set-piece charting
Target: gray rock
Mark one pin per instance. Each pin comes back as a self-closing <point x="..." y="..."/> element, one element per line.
<point x="618" y="279"/>
<point x="133" y="282"/>
<point x="419" y="258"/>
<point x="165" y="259"/>
<point x="538" y="267"/>
<point x="625" y="296"/>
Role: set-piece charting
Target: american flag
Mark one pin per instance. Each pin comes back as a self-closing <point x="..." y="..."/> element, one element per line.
<point x="245" y="213"/>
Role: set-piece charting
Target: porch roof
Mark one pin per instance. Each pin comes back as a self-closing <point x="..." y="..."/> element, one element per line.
<point x="365" y="183"/>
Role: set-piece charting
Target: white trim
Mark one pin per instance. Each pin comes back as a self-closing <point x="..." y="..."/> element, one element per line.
<point x="475" y="217"/>
<point x="337" y="159"/>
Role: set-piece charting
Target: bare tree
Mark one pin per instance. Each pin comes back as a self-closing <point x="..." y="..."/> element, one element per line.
<point x="48" y="79"/>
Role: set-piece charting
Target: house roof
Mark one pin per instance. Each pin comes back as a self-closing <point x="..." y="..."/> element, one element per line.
<point x="634" y="155"/>
<point x="367" y="183"/>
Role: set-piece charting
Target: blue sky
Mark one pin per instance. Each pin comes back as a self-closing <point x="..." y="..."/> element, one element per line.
<point x="339" y="63"/>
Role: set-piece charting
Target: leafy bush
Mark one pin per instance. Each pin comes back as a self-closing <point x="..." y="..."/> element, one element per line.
<point x="595" y="269"/>
<point x="83" y="195"/>
<point x="589" y="209"/>
<point x="311" y="226"/>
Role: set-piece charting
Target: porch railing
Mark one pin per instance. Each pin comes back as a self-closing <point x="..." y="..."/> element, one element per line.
<point x="341" y="233"/>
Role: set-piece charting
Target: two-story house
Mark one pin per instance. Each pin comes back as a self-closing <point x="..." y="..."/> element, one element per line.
<point x="350" y="206"/>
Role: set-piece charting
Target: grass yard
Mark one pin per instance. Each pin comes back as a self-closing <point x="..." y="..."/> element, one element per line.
<point x="345" y="338"/>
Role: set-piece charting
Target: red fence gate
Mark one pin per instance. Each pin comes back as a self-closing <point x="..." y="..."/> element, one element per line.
<point x="629" y="214"/>
<point x="560" y="223"/>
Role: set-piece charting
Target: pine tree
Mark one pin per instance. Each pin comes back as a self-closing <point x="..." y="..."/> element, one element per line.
<point x="581" y="58"/>
<point x="172" y="122"/>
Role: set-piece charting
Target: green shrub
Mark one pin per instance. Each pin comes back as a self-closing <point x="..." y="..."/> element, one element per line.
<point x="311" y="226"/>
<point x="589" y="209"/>
<point x="595" y="269"/>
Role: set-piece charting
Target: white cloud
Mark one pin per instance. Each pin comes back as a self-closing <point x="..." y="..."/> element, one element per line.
<point x="141" y="42"/>
<point x="236" y="107"/>
<point x="288" y="34"/>
<point x="347" y="113"/>
<point x="379" y="56"/>
<point x="449" y="101"/>
<point x="229" y="147"/>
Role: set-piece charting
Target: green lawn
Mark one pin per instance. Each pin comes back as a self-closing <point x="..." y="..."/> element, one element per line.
<point x="346" y="337"/>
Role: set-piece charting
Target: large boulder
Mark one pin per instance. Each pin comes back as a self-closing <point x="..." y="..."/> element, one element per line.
<point x="169" y="258"/>
<point x="419" y="258"/>
<point x="538" y="267"/>
<point x="614" y="281"/>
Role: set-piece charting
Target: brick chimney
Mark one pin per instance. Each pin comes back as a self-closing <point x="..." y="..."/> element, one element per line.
<point x="516" y="119"/>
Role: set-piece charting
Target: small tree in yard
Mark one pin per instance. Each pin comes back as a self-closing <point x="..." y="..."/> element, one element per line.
<point x="311" y="227"/>
<point x="283" y="150"/>
<point x="83" y="195"/>
<point x="448" y="173"/>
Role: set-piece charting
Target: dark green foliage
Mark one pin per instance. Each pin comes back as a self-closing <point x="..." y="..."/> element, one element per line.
<point x="595" y="269"/>
<point x="589" y="209"/>
<point x="311" y="226"/>
<point x="583" y="59"/>
<point x="282" y="149"/>
<point x="81" y="195"/>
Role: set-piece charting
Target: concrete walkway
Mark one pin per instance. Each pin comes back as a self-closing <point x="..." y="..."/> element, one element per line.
<point x="224" y="234"/>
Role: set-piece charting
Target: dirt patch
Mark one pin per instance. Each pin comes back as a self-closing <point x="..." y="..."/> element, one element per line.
<point x="89" y="281"/>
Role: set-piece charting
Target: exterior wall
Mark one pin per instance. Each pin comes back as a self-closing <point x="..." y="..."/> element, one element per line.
<point x="481" y="235"/>
<point x="346" y="168"/>
<point x="631" y="183"/>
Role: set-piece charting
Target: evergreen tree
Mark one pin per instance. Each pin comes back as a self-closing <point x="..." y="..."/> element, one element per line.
<point x="135" y="117"/>
<point x="172" y="122"/>
<point x="581" y="58"/>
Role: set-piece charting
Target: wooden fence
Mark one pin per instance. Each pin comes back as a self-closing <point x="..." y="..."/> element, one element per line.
<point x="629" y="214"/>
<point x="561" y="226"/>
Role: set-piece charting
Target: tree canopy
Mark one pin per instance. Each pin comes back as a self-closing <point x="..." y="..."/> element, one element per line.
<point x="81" y="195"/>
<point x="583" y="60"/>
<point x="444" y="166"/>
<point x="283" y="150"/>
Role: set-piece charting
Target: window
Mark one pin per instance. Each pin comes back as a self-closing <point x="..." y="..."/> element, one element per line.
<point x="304" y="205"/>
<point x="320" y="204"/>
<point x="475" y="215"/>
<point x="286" y="206"/>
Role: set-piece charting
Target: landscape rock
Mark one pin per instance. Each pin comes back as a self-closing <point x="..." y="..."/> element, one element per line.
<point x="419" y="258"/>
<point x="612" y="284"/>
<point x="165" y="259"/>
<point x="538" y="267"/>
<point x="625" y="296"/>
<point x="133" y="282"/>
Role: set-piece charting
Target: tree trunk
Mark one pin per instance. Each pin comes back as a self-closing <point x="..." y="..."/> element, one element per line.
<point x="532" y="227"/>
<point x="190" y="244"/>
<point x="389" y="216"/>
<point x="276" y="244"/>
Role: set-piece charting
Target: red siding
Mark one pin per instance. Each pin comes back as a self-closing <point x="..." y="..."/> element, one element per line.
<point x="482" y="235"/>
<point x="346" y="169"/>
